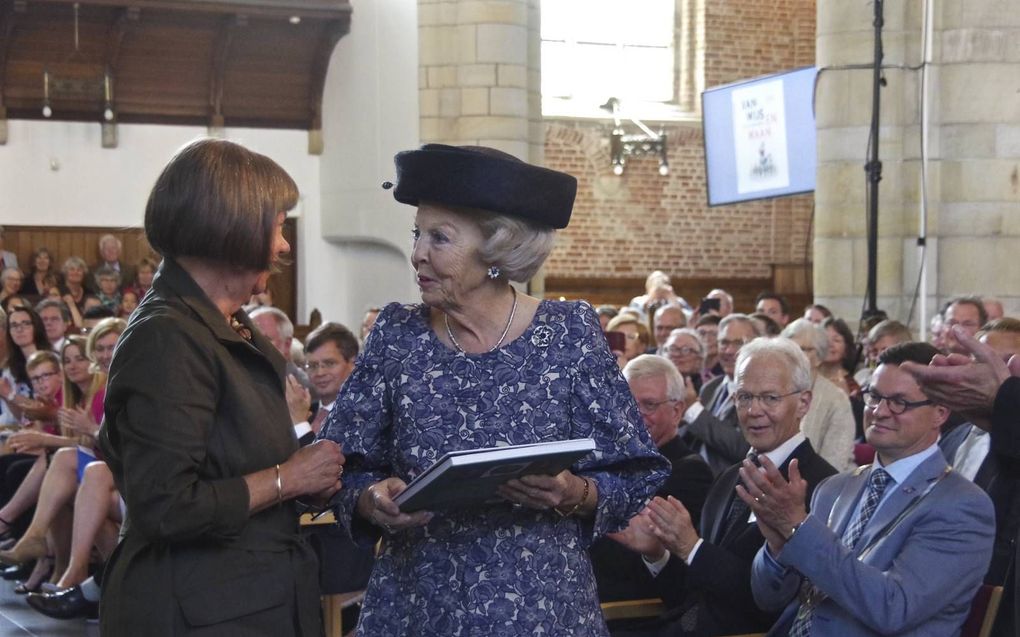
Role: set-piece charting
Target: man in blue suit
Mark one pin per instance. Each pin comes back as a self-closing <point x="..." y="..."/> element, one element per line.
<point x="895" y="548"/>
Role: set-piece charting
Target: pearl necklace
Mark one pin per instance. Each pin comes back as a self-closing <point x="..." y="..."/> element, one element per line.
<point x="506" y="330"/>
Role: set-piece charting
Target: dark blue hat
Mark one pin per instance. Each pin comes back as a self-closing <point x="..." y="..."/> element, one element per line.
<point x="484" y="178"/>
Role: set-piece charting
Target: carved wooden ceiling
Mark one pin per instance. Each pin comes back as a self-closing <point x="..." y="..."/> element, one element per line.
<point x="212" y="62"/>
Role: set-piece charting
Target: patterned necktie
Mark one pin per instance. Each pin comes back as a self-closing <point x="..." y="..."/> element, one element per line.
<point x="320" y="417"/>
<point x="877" y="482"/>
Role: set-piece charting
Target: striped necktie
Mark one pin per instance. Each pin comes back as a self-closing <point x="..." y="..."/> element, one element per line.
<point x="877" y="482"/>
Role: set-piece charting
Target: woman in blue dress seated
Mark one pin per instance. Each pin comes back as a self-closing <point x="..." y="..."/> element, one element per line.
<point x="478" y="364"/>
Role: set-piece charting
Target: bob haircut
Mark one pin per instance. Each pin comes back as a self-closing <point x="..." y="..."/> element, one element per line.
<point x="516" y="246"/>
<point x="782" y="349"/>
<point x="219" y="201"/>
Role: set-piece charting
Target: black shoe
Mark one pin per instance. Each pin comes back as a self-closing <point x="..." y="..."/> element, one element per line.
<point x="17" y="572"/>
<point x="66" y="604"/>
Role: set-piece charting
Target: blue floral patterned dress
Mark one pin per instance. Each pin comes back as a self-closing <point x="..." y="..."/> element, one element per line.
<point x="499" y="569"/>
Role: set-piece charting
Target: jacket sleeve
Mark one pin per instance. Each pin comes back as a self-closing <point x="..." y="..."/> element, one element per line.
<point x="721" y="436"/>
<point x="626" y="465"/>
<point x="940" y="565"/>
<point x="162" y="399"/>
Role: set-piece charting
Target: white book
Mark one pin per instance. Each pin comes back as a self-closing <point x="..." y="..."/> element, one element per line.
<point x="471" y="477"/>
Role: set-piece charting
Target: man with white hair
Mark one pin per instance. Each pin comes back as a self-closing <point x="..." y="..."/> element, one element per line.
<point x="279" y="329"/>
<point x="110" y="253"/>
<point x="658" y="389"/>
<point x="704" y="576"/>
<point x="898" y="547"/>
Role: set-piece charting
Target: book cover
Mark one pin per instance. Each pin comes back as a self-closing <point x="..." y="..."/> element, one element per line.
<point x="471" y="477"/>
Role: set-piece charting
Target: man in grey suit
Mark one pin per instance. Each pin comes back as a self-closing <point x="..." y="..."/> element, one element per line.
<point x="711" y="426"/>
<point x="894" y="548"/>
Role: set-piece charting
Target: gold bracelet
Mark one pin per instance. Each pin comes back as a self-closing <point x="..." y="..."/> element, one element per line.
<point x="584" y="498"/>
<point x="279" y="486"/>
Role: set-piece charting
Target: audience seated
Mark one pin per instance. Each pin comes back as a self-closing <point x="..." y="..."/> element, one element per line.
<point x="707" y="328"/>
<point x="704" y="576"/>
<point x="686" y="351"/>
<point x="666" y="319"/>
<point x="725" y="301"/>
<point x="74" y="292"/>
<point x="829" y="423"/>
<point x="881" y="337"/>
<point x="42" y="276"/>
<point x="56" y="319"/>
<point x="606" y="313"/>
<point x="11" y="280"/>
<point x="368" y="321"/>
<point x="966" y="311"/>
<point x="774" y="306"/>
<point x="899" y="547"/>
<point x="108" y="288"/>
<point x="840" y="363"/>
<point x="659" y="391"/>
<point x="993" y="308"/>
<point x="109" y="256"/>
<point x="279" y="329"/>
<point x="711" y="421"/>
<point x="816" y="313"/>
<point x="766" y="324"/>
<point x="635" y="332"/>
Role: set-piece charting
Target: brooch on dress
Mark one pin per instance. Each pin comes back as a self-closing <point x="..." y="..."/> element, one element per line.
<point x="542" y="336"/>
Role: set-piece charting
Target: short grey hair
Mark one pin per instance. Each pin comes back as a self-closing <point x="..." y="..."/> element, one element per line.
<point x="107" y="238"/>
<point x="648" y="366"/>
<point x="819" y="337"/>
<point x="784" y="350"/>
<point x="516" y="246"/>
<point x="75" y="262"/>
<point x="6" y="272"/>
<point x="680" y="331"/>
<point x="282" y="320"/>
<point x="739" y="318"/>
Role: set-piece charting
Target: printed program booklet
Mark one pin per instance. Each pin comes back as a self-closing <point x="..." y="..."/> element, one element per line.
<point x="471" y="477"/>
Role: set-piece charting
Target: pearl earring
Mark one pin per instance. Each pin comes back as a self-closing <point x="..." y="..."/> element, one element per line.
<point x="493" y="272"/>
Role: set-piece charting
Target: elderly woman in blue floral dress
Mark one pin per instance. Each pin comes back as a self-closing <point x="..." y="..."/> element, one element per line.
<point x="478" y="364"/>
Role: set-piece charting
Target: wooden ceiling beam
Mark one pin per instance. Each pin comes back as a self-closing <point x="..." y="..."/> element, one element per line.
<point x="122" y="23"/>
<point x="321" y="9"/>
<point x="220" y="56"/>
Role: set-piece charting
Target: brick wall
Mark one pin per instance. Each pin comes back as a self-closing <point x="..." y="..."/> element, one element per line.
<point x="629" y="225"/>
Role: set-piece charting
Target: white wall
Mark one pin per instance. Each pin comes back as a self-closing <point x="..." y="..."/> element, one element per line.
<point x="354" y="238"/>
<point x="370" y="112"/>
<point x="56" y="173"/>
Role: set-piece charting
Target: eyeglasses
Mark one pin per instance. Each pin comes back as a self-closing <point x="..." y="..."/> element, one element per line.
<point x="326" y="365"/>
<point x="38" y="378"/>
<point x="768" y="401"/>
<point x="968" y="324"/>
<point x="896" y="405"/>
<point x="649" y="407"/>
<point x="631" y="337"/>
<point x="727" y="343"/>
<point x="20" y="325"/>
<point x="682" y="351"/>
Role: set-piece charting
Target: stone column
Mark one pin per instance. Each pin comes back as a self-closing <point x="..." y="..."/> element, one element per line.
<point x="974" y="154"/>
<point x="479" y="75"/>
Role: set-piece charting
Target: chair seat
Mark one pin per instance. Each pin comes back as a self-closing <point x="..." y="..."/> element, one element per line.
<point x="632" y="609"/>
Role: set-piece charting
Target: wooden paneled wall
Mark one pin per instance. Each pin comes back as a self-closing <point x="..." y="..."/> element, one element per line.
<point x="83" y="241"/>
